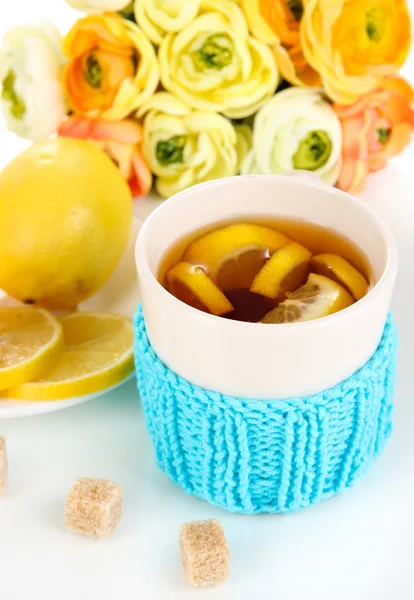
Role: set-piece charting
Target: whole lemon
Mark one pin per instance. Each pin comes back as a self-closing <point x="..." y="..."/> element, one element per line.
<point x="65" y="218"/>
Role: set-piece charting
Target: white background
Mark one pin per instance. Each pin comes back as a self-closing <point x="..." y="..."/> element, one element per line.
<point x="359" y="546"/>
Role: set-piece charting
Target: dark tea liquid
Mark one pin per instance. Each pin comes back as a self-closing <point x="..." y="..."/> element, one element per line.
<point x="248" y="306"/>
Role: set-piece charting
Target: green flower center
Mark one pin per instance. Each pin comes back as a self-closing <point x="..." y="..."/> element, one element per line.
<point x="171" y="151"/>
<point x="296" y="8"/>
<point x="93" y="72"/>
<point x="375" y="24"/>
<point x="215" y="53"/>
<point x="383" y="135"/>
<point x="18" y="107"/>
<point x="313" y="151"/>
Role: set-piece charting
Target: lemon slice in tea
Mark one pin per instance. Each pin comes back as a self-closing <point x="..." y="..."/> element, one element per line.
<point x="340" y="270"/>
<point x="192" y="285"/>
<point x="31" y="341"/>
<point x="233" y="255"/>
<point x="319" y="297"/>
<point x="98" y="355"/>
<point x="284" y="272"/>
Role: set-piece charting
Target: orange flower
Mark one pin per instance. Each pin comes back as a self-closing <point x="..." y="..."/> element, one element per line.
<point x="121" y="141"/>
<point x="354" y="44"/>
<point x="277" y="22"/>
<point x="112" y="67"/>
<point x="376" y="127"/>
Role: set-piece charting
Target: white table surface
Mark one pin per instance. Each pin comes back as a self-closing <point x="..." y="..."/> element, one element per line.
<point x="358" y="546"/>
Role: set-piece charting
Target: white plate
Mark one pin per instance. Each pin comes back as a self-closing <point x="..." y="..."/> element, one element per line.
<point x="119" y="295"/>
<point x="11" y="409"/>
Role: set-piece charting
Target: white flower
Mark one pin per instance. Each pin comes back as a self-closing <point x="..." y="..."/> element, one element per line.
<point x="296" y="129"/>
<point x="30" y="64"/>
<point x="96" y="6"/>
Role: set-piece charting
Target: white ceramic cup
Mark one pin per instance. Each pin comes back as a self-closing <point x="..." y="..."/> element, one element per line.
<point x="255" y="360"/>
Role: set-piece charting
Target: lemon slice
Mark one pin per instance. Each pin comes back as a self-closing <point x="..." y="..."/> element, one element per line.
<point x="319" y="297"/>
<point x="232" y="256"/>
<point x="339" y="269"/>
<point x="191" y="285"/>
<point x="98" y="355"/>
<point x="284" y="271"/>
<point x="31" y="341"/>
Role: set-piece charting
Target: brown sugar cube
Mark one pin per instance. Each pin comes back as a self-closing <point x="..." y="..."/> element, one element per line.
<point x="93" y="507"/>
<point x="3" y="464"/>
<point x="204" y="552"/>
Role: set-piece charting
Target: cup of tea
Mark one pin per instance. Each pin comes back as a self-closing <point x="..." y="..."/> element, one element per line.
<point x="266" y="367"/>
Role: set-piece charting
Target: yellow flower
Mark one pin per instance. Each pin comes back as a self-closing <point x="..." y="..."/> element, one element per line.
<point x="112" y="67"/>
<point x="184" y="147"/>
<point x="96" y="6"/>
<point x="296" y="130"/>
<point x="244" y="143"/>
<point x="353" y="44"/>
<point x="158" y="18"/>
<point x="213" y="63"/>
<point x="277" y="22"/>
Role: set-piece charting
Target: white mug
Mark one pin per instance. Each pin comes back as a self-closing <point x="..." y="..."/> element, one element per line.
<point x="255" y="360"/>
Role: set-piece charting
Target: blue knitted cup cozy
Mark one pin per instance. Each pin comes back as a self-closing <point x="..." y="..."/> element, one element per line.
<point x="255" y="456"/>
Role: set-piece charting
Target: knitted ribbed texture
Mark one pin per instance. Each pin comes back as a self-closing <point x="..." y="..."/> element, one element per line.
<point x="252" y="456"/>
